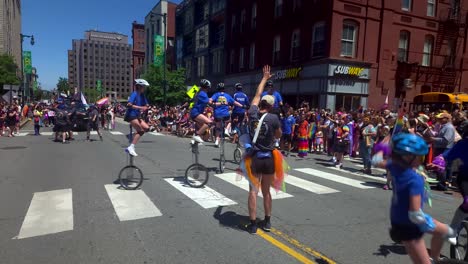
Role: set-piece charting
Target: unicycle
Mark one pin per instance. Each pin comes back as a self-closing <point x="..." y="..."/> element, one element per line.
<point x="460" y="249"/>
<point x="238" y="153"/>
<point x="130" y="176"/>
<point x="196" y="175"/>
<point x="222" y="157"/>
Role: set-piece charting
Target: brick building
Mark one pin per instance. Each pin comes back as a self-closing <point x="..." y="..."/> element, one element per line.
<point x="101" y="56"/>
<point x="200" y="45"/>
<point x="347" y="53"/>
<point x="139" y="47"/>
<point x="10" y="29"/>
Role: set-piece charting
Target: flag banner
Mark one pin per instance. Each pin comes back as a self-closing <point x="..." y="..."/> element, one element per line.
<point x="158" y="50"/>
<point x="27" y="62"/>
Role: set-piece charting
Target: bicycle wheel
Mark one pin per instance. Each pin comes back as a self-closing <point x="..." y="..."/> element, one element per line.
<point x="196" y="175"/>
<point x="130" y="177"/>
<point x="459" y="251"/>
<point x="222" y="163"/>
<point x="237" y="155"/>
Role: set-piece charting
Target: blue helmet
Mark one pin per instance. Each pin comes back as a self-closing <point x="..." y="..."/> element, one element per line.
<point x="409" y="144"/>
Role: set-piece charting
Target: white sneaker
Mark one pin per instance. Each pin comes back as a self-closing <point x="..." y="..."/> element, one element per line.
<point x="217" y="143"/>
<point x="226" y="133"/>
<point x="131" y="151"/>
<point x="198" y="139"/>
<point x="452" y="240"/>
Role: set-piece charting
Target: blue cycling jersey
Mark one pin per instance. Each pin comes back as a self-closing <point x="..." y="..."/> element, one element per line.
<point x="288" y="124"/>
<point x="278" y="98"/>
<point x="242" y="99"/>
<point x="138" y="100"/>
<point x="226" y="100"/>
<point x="201" y="100"/>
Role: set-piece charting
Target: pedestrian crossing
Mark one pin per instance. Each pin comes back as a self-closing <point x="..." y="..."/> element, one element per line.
<point x="51" y="212"/>
<point x="113" y="133"/>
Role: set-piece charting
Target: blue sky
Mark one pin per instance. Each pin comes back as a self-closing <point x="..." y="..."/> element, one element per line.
<point x="54" y="23"/>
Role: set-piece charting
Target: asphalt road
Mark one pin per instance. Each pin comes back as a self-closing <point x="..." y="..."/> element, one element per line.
<point x="58" y="204"/>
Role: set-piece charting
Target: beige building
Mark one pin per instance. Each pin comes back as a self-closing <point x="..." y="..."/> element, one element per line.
<point x="10" y="28"/>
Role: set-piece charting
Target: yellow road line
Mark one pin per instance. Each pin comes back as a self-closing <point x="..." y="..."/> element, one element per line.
<point x="285" y="248"/>
<point x="305" y="248"/>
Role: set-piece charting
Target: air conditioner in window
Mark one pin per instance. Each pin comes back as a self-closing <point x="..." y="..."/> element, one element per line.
<point x="408" y="83"/>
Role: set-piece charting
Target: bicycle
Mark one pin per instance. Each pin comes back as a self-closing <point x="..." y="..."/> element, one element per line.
<point x="130" y="176"/>
<point x="197" y="174"/>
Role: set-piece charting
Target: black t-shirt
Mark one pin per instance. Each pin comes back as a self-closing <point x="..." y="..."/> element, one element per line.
<point x="61" y="117"/>
<point x="93" y="113"/>
<point x="266" y="137"/>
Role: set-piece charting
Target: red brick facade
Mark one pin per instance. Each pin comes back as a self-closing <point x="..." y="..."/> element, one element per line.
<point x="138" y="53"/>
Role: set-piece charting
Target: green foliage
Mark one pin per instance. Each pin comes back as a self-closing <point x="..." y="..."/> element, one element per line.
<point x="92" y="95"/>
<point x="8" y="70"/>
<point x="176" y="88"/>
<point x="62" y="85"/>
<point x="39" y="94"/>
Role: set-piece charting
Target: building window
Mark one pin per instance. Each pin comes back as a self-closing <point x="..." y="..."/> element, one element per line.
<point x="295" y="44"/>
<point x="318" y="39"/>
<point x="276" y="49"/>
<point x="297" y="5"/>
<point x="242" y="20"/>
<point x="217" y="61"/>
<point x="253" y="22"/>
<point x="232" y="57"/>
<point x="201" y="66"/>
<point x="431" y="7"/>
<point x="252" y="56"/>
<point x="241" y="58"/>
<point x="403" y="45"/>
<point x="406" y="5"/>
<point x="348" y="39"/>
<point x="427" y="52"/>
<point x="450" y="58"/>
<point x="278" y="8"/>
<point x="233" y="24"/>
<point x="201" y="41"/>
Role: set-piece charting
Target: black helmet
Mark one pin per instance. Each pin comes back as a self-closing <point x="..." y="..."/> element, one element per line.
<point x="269" y="83"/>
<point x="238" y="86"/>
<point x="204" y="83"/>
<point x="220" y="86"/>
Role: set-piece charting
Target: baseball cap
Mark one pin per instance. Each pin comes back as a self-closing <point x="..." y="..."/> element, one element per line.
<point x="269" y="99"/>
<point x="423" y="118"/>
<point x="443" y="115"/>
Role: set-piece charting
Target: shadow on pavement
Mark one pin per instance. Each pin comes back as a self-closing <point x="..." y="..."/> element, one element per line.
<point x="385" y="250"/>
<point x="231" y="219"/>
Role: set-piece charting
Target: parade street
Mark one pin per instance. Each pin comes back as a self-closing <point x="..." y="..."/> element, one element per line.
<point x="58" y="204"/>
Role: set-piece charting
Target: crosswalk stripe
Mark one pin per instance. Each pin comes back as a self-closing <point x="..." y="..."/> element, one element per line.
<point x="205" y="197"/>
<point x="116" y="133"/>
<point x="308" y="186"/>
<point x="156" y="134"/>
<point x="93" y="133"/>
<point x="49" y="212"/>
<point x="335" y="178"/>
<point x="375" y="178"/>
<point x="21" y="134"/>
<point x="131" y="205"/>
<point x="47" y="133"/>
<point x="232" y="178"/>
<point x="75" y="133"/>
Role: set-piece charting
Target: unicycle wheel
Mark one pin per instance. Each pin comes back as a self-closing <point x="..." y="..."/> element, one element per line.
<point x="237" y="155"/>
<point x="459" y="251"/>
<point x="130" y="177"/>
<point x="196" y="175"/>
<point x="222" y="164"/>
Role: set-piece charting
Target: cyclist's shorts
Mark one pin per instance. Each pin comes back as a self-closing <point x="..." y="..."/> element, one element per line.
<point x="400" y="233"/>
<point x="224" y="118"/>
<point x="262" y="165"/>
<point x="240" y="117"/>
<point x="194" y="113"/>
<point x="286" y="138"/>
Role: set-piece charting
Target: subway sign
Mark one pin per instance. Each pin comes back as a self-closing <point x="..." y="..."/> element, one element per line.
<point x="349" y="70"/>
<point x="288" y="73"/>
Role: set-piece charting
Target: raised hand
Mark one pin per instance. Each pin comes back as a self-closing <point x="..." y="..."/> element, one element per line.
<point x="267" y="72"/>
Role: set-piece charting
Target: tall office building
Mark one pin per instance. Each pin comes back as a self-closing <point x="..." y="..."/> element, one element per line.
<point x="154" y="25"/>
<point x="138" y="53"/>
<point x="103" y="57"/>
<point x="10" y="29"/>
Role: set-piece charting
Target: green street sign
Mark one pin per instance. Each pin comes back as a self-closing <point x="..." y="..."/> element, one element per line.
<point x="27" y="62"/>
<point x="99" y="85"/>
<point x="158" y="50"/>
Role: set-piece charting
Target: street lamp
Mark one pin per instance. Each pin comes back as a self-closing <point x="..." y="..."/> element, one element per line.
<point x="23" y="36"/>
<point x="164" y="16"/>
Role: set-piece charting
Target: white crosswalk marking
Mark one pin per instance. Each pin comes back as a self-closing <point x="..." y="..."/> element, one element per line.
<point x="21" y="134"/>
<point x="93" y="132"/>
<point x="75" y="133"/>
<point x="205" y="197"/>
<point x="375" y="178"/>
<point x="116" y="133"/>
<point x="47" y="133"/>
<point x="244" y="184"/>
<point x="49" y="212"/>
<point x="335" y="178"/>
<point x="156" y="134"/>
<point x="308" y="186"/>
<point x="131" y="205"/>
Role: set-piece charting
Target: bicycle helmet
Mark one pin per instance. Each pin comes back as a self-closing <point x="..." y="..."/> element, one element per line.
<point x="220" y="86"/>
<point x="409" y="144"/>
<point x="238" y="86"/>
<point x="269" y="83"/>
<point x="142" y="82"/>
<point x="204" y="83"/>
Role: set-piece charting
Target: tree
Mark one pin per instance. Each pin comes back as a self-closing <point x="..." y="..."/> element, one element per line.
<point x="62" y="85"/>
<point x="8" y="71"/>
<point x="39" y="94"/>
<point x="92" y="95"/>
<point x="176" y="88"/>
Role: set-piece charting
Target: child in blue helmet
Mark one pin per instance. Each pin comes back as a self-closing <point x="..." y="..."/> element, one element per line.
<point x="408" y="221"/>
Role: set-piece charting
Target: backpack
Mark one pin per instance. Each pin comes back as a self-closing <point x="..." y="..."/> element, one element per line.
<point x="61" y="117"/>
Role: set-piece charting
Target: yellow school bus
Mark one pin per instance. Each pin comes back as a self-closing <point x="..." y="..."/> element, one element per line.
<point x="440" y="101"/>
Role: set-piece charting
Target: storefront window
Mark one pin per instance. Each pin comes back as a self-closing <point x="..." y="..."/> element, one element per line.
<point x="347" y="102"/>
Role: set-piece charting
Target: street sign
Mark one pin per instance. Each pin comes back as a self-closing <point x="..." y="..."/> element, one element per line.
<point x="27" y="62"/>
<point x="193" y="91"/>
<point x="158" y="50"/>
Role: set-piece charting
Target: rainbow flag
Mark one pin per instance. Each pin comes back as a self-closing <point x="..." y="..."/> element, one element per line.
<point x="312" y="129"/>
<point x="399" y="123"/>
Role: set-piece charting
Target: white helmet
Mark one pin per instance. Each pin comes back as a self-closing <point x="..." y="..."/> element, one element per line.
<point x="142" y="82"/>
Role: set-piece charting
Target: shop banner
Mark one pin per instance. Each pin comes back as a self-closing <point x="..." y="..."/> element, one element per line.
<point x="158" y="50"/>
<point x="27" y="62"/>
<point x="99" y="85"/>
